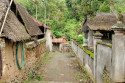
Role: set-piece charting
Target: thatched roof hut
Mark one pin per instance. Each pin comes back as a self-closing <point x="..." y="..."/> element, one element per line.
<point x="13" y="28"/>
<point x="19" y="24"/>
<point x="102" y="21"/>
<point x="3" y="8"/>
<point x="29" y="23"/>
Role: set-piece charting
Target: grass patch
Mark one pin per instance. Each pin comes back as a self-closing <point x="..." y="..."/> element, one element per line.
<point x="82" y="76"/>
<point x="72" y="54"/>
<point x="46" y="58"/>
<point x="34" y="75"/>
<point x="106" y="78"/>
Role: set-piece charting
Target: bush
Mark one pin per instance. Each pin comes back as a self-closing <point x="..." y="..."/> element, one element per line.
<point x="80" y="38"/>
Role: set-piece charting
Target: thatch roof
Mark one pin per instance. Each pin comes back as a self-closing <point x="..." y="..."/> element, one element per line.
<point x="85" y="26"/>
<point x="14" y="30"/>
<point x="103" y="21"/>
<point x="3" y="8"/>
<point x="30" y="24"/>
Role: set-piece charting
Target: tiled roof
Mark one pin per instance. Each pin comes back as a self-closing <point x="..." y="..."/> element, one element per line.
<point x="60" y="40"/>
<point x="40" y="23"/>
<point x="37" y="21"/>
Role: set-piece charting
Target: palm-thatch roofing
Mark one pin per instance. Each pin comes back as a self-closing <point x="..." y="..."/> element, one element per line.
<point x="13" y="28"/>
<point x="3" y="8"/>
<point x="85" y="29"/>
<point x="30" y="24"/>
<point x="102" y="21"/>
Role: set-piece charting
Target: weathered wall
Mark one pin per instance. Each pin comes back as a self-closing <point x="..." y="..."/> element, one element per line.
<point x="11" y="72"/>
<point x="90" y="39"/>
<point x="103" y="61"/>
<point x="35" y="52"/>
<point x="118" y="59"/>
<point x="48" y="40"/>
<point x="84" y="58"/>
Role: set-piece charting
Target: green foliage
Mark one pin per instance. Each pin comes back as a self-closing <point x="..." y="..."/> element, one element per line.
<point x="66" y="16"/>
<point x="34" y="74"/>
<point x="80" y="38"/>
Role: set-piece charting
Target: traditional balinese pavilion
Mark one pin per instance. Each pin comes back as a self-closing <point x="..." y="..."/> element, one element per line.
<point x="104" y="35"/>
<point x="19" y="28"/>
<point x="101" y="25"/>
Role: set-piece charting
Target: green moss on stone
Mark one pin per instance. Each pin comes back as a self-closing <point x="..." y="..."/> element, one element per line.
<point x="102" y="43"/>
<point x="87" y="52"/>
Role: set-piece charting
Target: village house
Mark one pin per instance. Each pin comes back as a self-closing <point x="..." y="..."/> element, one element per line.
<point x="58" y="44"/>
<point x="47" y="32"/>
<point x="103" y="49"/>
<point x="21" y="41"/>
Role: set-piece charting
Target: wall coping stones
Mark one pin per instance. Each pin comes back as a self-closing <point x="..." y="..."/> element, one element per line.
<point x="118" y="25"/>
<point x="106" y="44"/>
<point x="31" y="45"/>
<point x="91" y="54"/>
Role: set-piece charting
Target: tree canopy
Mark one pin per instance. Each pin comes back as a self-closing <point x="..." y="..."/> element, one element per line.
<point x="66" y="16"/>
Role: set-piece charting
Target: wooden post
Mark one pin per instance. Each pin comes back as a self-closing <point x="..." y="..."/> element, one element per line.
<point x="5" y="17"/>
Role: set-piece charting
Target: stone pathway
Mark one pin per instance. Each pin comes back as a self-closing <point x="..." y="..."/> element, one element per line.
<point x="61" y="68"/>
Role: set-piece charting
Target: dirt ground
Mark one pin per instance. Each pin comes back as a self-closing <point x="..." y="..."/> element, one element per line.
<point x="61" y="67"/>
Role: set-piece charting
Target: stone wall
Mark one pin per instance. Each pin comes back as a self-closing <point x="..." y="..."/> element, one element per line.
<point x="103" y="61"/>
<point x="109" y="59"/>
<point x="84" y="58"/>
<point x="49" y="40"/>
<point x="11" y="72"/>
<point x="118" y="58"/>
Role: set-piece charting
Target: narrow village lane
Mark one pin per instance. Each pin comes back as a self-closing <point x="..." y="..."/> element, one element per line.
<point x="61" y="67"/>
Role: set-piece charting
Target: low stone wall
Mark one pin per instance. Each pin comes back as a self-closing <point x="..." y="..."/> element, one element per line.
<point x="84" y="58"/>
<point x="11" y="72"/>
<point x="103" y="61"/>
<point x="118" y="58"/>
